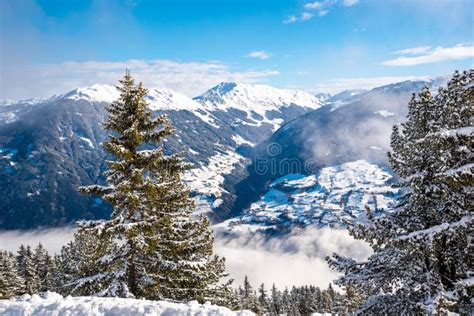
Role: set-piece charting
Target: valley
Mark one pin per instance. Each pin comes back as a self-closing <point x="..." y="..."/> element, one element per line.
<point x="50" y="147"/>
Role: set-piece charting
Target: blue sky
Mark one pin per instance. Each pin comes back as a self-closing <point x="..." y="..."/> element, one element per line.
<point x="51" y="46"/>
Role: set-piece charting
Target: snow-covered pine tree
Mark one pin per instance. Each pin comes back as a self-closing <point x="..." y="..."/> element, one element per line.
<point x="275" y="301"/>
<point x="11" y="283"/>
<point x="80" y="263"/>
<point x="27" y="270"/>
<point x="43" y="264"/>
<point x="262" y="299"/>
<point x="317" y="298"/>
<point x="57" y="275"/>
<point x="307" y="303"/>
<point x="285" y="302"/>
<point x="352" y="299"/>
<point x="246" y="294"/>
<point x="294" y="301"/>
<point x="183" y="262"/>
<point x="159" y="250"/>
<point x="326" y="301"/>
<point x="453" y="139"/>
<point x="422" y="261"/>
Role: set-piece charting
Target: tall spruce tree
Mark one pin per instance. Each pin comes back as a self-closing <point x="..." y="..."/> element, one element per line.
<point x="27" y="270"/>
<point x="275" y="301"/>
<point x="262" y="299"/>
<point x="11" y="283"/>
<point x="43" y="265"/>
<point x="285" y="302"/>
<point x="423" y="259"/>
<point x="159" y="250"/>
<point x="247" y="295"/>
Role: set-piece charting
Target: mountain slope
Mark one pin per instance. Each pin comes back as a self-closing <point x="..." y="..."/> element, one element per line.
<point x="49" y="148"/>
<point x="357" y="128"/>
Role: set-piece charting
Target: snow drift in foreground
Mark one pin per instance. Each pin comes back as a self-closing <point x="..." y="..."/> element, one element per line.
<point x="55" y="304"/>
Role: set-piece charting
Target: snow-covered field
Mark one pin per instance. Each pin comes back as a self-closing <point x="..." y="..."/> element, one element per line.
<point x="55" y="304"/>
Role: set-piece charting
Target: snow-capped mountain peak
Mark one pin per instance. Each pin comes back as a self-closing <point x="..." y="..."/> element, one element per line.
<point x="95" y="93"/>
<point x="158" y="98"/>
<point x="258" y="98"/>
<point x="323" y="96"/>
<point x="166" y="99"/>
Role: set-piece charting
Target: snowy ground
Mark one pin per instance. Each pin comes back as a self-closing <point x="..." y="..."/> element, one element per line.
<point x="330" y="198"/>
<point x="208" y="180"/>
<point x="55" y="304"/>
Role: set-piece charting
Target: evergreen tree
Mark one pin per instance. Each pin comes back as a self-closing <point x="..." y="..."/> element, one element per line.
<point x="11" y="283"/>
<point x="58" y="279"/>
<point x="262" y="299"/>
<point x="81" y="263"/>
<point x="27" y="270"/>
<point x="285" y="302"/>
<point x="317" y="298"/>
<point x="247" y="295"/>
<point x="422" y="261"/>
<point x="294" y="301"/>
<point x="312" y="299"/>
<point x="326" y="302"/>
<point x="43" y="264"/>
<point x="159" y="250"/>
<point x="275" y="307"/>
<point x="353" y="299"/>
<point x="236" y="302"/>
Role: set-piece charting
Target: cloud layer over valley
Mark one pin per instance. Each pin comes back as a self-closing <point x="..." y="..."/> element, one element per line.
<point x="294" y="259"/>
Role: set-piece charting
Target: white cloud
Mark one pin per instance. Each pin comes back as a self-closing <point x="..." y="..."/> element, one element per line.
<point x="191" y="78"/>
<point x="323" y="12"/>
<point x="413" y="50"/>
<point x="313" y="5"/>
<point x="262" y="259"/>
<point x="320" y="7"/>
<point x="52" y="239"/>
<point x="290" y="20"/>
<point x="349" y="3"/>
<point x="305" y="16"/>
<point x="259" y="54"/>
<point x="293" y="259"/>
<point x="428" y="55"/>
<point x="341" y="84"/>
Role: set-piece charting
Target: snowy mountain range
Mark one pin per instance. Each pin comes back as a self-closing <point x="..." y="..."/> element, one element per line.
<point x="52" y="146"/>
<point x="48" y="148"/>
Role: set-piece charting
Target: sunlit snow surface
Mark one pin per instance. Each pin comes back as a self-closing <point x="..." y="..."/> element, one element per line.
<point x="256" y="97"/>
<point x="331" y="197"/>
<point x="208" y="180"/>
<point x="55" y="304"/>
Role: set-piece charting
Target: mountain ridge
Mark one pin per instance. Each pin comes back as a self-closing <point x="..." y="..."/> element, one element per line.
<point x="50" y="148"/>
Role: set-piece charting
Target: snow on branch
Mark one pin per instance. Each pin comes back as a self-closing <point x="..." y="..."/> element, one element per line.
<point x="464" y="221"/>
